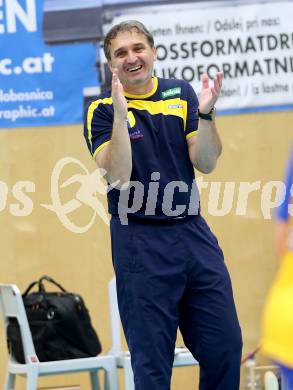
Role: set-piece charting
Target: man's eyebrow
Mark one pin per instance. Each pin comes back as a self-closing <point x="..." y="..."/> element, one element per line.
<point x="117" y="51"/>
<point x="139" y="44"/>
<point x="135" y="45"/>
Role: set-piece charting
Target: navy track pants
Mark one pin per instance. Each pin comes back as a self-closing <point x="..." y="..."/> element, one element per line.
<point x="170" y="275"/>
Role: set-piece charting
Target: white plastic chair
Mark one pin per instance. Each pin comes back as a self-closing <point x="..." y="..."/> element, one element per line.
<point x="182" y="356"/>
<point x="12" y="306"/>
<point x="271" y="381"/>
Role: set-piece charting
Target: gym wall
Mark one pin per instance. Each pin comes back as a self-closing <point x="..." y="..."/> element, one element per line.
<point x="255" y="149"/>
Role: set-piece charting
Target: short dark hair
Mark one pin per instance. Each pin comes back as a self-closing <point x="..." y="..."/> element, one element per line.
<point x="127" y="25"/>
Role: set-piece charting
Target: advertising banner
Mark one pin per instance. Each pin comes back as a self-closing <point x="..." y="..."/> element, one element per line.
<point x="40" y="85"/>
<point x="252" y="43"/>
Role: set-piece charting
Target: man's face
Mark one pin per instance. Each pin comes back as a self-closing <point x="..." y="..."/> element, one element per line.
<point x="133" y="58"/>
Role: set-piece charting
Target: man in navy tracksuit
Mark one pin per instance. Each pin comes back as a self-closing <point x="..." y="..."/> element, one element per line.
<point x="149" y="134"/>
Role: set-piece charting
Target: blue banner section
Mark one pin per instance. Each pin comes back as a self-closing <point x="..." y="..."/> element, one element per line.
<point x="40" y="85"/>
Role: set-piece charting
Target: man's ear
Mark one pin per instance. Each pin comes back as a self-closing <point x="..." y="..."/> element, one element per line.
<point x="110" y="66"/>
<point x="154" y="53"/>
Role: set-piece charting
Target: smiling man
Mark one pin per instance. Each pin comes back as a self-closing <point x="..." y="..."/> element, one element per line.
<point x="170" y="270"/>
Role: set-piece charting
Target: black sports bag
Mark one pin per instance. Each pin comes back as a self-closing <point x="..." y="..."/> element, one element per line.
<point x="60" y="325"/>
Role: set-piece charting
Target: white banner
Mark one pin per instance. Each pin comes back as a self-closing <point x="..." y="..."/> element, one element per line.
<point x="251" y="43"/>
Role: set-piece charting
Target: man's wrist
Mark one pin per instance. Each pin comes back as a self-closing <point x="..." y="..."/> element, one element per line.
<point x="210" y="116"/>
<point x="120" y="117"/>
